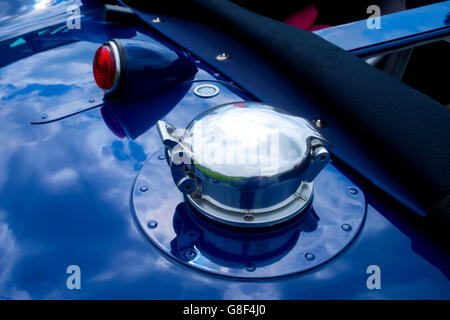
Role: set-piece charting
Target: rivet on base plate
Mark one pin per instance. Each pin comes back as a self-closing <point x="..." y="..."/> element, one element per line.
<point x="346" y="227"/>
<point x="152" y="224"/>
<point x="310" y="256"/>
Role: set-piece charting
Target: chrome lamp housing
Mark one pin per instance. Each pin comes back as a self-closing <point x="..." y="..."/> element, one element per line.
<point x="246" y="164"/>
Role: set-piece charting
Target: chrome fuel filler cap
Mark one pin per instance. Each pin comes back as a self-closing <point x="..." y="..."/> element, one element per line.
<point x="246" y="164"/>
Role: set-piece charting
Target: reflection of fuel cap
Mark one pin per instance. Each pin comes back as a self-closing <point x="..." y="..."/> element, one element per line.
<point x="246" y="164"/>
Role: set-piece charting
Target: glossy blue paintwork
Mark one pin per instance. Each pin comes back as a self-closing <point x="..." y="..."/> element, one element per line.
<point x="398" y="30"/>
<point x="149" y="67"/>
<point x="192" y="240"/>
<point x="64" y="199"/>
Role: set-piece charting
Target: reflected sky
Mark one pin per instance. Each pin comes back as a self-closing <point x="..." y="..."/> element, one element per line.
<point x="402" y="24"/>
<point x="26" y="14"/>
<point x="65" y="189"/>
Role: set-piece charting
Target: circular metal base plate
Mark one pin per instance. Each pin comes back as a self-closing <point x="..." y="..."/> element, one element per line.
<point x="289" y="209"/>
<point x="172" y="224"/>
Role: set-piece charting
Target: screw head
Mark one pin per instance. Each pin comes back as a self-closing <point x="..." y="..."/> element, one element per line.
<point x="299" y="196"/>
<point x="157" y="20"/>
<point x="44" y="116"/>
<point x="250" y="266"/>
<point x="161" y="157"/>
<point x="152" y="224"/>
<point x="352" y="191"/>
<point x="319" y="123"/>
<point x="143" y="188"/>
<point x="91" y="100"/>
<point x="190" y="254"/>
<point x="223" y="57"/>
<point x="249" y="217"/>
<point x="346" y="227"/>
<point x="310" y="256"/>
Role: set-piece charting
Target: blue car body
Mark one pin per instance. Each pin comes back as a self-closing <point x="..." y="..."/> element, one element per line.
<point x="65" y="186"/>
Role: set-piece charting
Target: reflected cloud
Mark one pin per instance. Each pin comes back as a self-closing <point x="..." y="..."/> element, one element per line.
<point x="43" y="4"/>
<point x="65" y="177"/>
<point x="63" y="65"/>
<point x="264" y="291"/>
<point x="9" y="254"/>
<point x="131" y="266"/>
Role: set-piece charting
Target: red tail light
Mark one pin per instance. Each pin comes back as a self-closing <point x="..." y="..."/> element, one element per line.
<point x="106" y="67"/>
